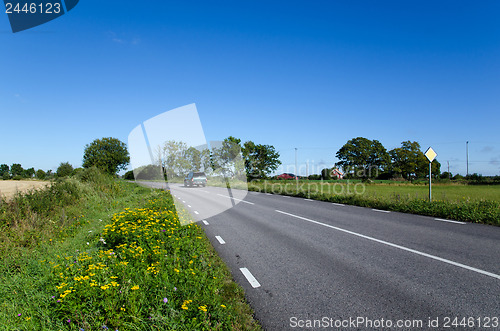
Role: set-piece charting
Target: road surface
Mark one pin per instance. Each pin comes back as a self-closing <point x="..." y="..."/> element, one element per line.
<point x="308" y="264"/>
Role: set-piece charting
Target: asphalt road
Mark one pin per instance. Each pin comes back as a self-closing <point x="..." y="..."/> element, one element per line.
<point x="316" y="265"/>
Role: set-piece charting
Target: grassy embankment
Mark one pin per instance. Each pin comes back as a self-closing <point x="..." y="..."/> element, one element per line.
<point x="470" y="203"/>
<point x="95" y="254"/>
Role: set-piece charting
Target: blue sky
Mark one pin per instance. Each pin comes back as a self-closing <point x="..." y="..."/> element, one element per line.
<point x="305" y="74"/>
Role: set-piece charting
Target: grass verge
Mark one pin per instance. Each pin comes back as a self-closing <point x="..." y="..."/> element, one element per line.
<point x="113" y="257"/>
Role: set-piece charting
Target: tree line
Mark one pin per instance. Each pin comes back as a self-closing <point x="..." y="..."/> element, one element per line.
<point x="107" y="154"/>
<point x="364" y="158"/>
<point x="229" y="158"/>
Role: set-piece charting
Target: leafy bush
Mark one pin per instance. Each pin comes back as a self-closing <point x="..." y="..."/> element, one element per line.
<point x="64" y="170"/>
<point x="129" y="175"/>
<point x="40" y="174"/>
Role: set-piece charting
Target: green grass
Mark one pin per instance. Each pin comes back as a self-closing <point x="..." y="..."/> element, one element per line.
<point x="471" y="203"/>
<point x="440" y="191"/>
<point x="112" y="256"/>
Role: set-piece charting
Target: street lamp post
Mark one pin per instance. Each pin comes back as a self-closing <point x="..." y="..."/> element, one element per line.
<point x="296" y="171"/>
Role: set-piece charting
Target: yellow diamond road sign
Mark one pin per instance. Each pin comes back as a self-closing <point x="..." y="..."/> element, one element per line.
<point x="430" y="154"/>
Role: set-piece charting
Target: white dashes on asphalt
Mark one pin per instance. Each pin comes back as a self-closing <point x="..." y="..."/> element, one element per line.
<point x="220" y="240"/>
<point x="251" y="279"/>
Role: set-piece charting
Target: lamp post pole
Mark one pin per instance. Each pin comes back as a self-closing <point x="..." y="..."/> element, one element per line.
<point x="296" y="171"/>
<point x="467" y="156"/>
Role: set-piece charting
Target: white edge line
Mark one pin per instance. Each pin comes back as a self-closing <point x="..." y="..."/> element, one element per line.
<point x="205" y="222"/>
<point x="225" y="196"/>
<point x="268" y="194"/>
<point x="337" y="204"/>
<point x="308" y="200"/>
<point x="189" y="206"/>
<point x="196" y="212"/>
<point x="449" y="221"/>
<point x="397" y="246"/>
<point x="251" y="279"/>
<point x="381" y="211"/>
<point x="220" y="240"/>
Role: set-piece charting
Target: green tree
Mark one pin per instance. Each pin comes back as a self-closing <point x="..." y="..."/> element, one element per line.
<point x="108" y="154"/>
<point x="364" y="157"/>
<point x="325" y="174"/>
<point x="16" y="170"/>
<point x="65" y="169"/>
<point x="227" y="159"/>
<point x="40" y="174"/>
<point x="49" y="174"/>
<point x="194" y="158"/>
<point x="260" y="160"/>
<point x="129" y="175"/>
<point x="410" y="162"/>
<point x="29" y="173"/>
<point x="4" y="171"/>
<point x="148" y="172"/>
<point x="173" y="159"/>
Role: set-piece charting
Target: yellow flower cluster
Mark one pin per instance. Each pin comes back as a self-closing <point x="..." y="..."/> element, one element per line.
<point x="185" y="304"/>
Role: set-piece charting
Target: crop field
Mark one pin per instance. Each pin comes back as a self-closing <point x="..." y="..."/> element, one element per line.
<point x="8" y="188"/>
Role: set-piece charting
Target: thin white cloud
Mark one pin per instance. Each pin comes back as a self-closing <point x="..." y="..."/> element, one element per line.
<point x="123" y="40"/>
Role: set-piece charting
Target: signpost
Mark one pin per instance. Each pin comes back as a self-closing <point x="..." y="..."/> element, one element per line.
<point x="430" y="155"/>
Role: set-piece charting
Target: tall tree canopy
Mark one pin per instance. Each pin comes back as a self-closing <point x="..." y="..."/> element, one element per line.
<point x="4" y="171"/>
<point x="410" y="162"/>
<point x="260" y="160"/>
<point x="16" y="170"/>
<point x="64" y="170"/>
<point x="364" y="156"/>
<point x="108" y="154"/>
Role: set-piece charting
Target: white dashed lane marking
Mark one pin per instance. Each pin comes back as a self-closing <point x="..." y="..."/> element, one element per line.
<point x="251" y="279"/>
<point x="437" y="258"/>
<point x="381" y="211"/>
<point x="220" y="240"/>
<point x="449" y="221"/>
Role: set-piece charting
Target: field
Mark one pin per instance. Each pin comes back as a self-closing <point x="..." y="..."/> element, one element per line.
<point x="8" y="188"/>
<point x="440" y="191"/>
<point x="469" y="203"/>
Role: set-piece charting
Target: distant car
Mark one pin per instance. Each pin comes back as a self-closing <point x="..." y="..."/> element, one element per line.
<point x="195" y="178"/>
<point x="286" y="176"/>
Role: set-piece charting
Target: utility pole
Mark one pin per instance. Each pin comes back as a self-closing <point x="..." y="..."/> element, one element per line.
<point x="296" y="169"/>
<point x="467" y="156"/>
<point x="449" y="175"/>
